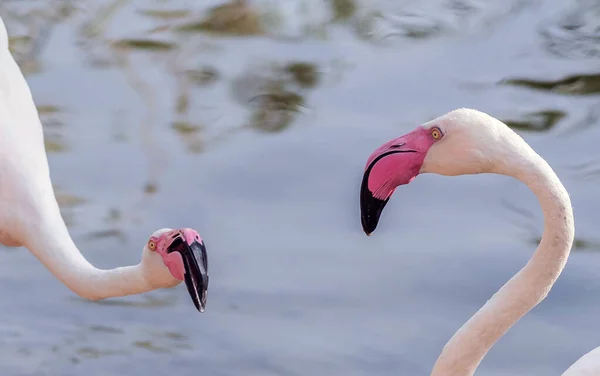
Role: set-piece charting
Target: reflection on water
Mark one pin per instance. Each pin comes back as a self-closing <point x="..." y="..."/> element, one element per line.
<point x="251" y="121"/>
<point x="105" y="329"/>
<point x="143" y="44"/>
<point x="53" y="121"/>
<point x="576" y="84"/>
<point x="276" y="93"/>
<point x="540" y="121"/>
<point x="92" y="353"/>
<point x="234" y="19"/>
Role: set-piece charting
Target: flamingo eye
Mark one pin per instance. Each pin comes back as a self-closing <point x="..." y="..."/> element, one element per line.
<point x="436" y="133"/>
<point x="152" y="245"/>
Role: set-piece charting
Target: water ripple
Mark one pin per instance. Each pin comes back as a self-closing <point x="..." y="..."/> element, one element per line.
<point x="575" y="33"/>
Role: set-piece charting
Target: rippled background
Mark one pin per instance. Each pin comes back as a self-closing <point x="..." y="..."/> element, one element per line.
<point x="251" y="122"/>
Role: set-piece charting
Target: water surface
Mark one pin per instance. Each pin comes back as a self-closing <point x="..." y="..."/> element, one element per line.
<point x="147" y="128"/>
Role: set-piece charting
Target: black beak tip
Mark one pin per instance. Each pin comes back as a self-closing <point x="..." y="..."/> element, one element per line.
<point x="369" y="224"/>
<point x="370" y="207"/>
<point x="199" y="301"/>
<point x="370" y="211"/>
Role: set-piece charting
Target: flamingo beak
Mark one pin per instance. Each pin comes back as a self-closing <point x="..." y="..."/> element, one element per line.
<point x="195" y="262"/>
<point x="395" y="163"/>
<point x="371" y="207"/>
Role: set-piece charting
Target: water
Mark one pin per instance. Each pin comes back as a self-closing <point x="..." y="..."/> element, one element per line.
<point x="296" y="287"/>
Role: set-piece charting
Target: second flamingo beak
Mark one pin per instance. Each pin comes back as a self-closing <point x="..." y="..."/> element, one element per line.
<point x="195" y="262"/>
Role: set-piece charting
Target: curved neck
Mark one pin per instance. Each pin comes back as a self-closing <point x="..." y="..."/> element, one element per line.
<point x="465" y="350"/>
<point x="50" y="242"/>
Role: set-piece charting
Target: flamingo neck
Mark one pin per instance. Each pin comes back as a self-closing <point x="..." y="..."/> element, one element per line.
<point x="465" y="350"/>
<point x="50" y="242"/>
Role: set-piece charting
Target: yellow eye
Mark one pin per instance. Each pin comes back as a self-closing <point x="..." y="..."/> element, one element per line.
<point x="152" y="245"/>
<point x="436" y="133"/>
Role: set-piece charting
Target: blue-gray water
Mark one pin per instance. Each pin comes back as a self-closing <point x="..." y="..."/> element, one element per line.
<point x="296" y="287"/>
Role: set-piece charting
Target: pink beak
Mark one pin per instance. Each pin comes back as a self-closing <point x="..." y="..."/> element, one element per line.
<point x="395" y="163"/>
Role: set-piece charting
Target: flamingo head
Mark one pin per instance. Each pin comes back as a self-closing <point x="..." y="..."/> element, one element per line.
<point x="460" y="142"/>
<point x="172" y="256"/>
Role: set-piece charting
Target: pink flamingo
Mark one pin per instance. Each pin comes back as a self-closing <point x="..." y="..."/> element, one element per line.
<point x="30" y="215"/>
<point x="463" y="142"/>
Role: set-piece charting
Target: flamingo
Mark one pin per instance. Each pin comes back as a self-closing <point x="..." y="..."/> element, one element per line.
<point x="466" y="141"/>
<point x="30" y="215"/>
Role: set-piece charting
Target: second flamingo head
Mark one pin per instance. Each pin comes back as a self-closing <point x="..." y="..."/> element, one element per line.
<point x="172" y="256"/>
